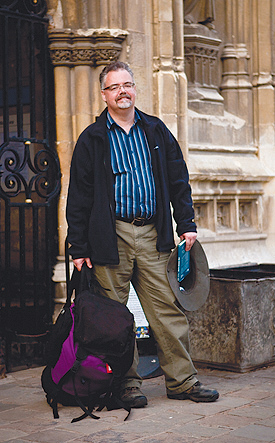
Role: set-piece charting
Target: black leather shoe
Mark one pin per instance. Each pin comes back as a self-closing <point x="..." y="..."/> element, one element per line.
<point x="133" y="397"/>
<point x="197" y="393"/>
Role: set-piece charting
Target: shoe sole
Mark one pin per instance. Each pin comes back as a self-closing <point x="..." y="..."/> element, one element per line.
<point x="214" y="397"/>
<point x="138" y="402"/>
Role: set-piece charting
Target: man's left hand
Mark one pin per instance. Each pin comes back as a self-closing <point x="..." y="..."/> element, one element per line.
<point x="190" y="238"/>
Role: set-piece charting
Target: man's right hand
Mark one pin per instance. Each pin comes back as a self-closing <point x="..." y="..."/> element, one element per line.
<point x="78" y="262"/>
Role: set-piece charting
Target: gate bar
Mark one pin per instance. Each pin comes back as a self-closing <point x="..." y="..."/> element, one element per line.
<point x="32" y="84"/>
<point x="19" y="104"/>
<point x="5" y="80"/>
<point x="22" y="249"/>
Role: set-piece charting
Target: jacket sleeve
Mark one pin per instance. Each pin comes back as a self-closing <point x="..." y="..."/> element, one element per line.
<point x="80" y="197"/>
<point x="179" y="187"/>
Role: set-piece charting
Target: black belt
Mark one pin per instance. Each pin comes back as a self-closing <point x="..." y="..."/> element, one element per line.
<point x="137" y="221"/>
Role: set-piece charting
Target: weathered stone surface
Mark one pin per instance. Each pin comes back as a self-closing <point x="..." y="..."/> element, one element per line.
<point x="234" y="329"/>
<point x="228" y="132"/>
<point x="25" y="415"/>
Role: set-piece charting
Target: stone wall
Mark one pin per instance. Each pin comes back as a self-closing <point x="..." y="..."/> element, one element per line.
<point x="223" y="117"/>
<point x="228" y="74"/>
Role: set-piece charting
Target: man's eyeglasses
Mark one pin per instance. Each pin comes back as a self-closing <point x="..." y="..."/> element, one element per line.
<point x="114" y="88"/>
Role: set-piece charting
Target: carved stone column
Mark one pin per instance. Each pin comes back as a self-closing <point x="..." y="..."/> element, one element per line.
<point x="263" y="99"/>
<point x="75" y="55"/>
<point x="178" y="62"/>
<point x="201" y="47"/>
<point x="227" y="175"/>
<point x="263" y="86"/>
<point x="236" y="86"/>
<point x="170" y="84"/>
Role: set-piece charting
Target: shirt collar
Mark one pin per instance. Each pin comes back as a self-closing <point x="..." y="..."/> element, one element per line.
<point x="111" y="122"/>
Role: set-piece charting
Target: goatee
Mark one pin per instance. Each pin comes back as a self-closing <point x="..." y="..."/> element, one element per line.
<point x="124" y="104"/>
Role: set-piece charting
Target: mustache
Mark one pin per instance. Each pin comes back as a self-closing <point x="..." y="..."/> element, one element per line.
<point x="123" y="95"/>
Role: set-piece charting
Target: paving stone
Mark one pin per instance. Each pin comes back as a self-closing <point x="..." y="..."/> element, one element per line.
<point x="256" y="432"/>
<point x="30" y="425"/>
<point x="6" y="406"/>
<point x="169" y="437"/>
<point x="225" y="420"/>
<point x="267" y="422"/>
<point x="51" y="436"/>
<point x="202" y="408"/>
<point x="267" y="402"/>
<point x="233" y="402"/>
<point x="17" y="413"/>
<point x="201" y="431"/>
<point x="144" y="427"/>
<point x="253" y="411"/>
<point x="251" y="393"/>
<point x="18" y="441"/>
<point x="228" y="439"/>
<point x="7" y="434"/>
<point x="6" y="386"/>
<point x="244" y="413"/>
<point x="110" y="436"/>
<point x="230" y="387"/>
<point x="175" y="417"/>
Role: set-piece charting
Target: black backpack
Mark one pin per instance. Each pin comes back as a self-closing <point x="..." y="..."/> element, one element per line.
<point x="91" y="348"/>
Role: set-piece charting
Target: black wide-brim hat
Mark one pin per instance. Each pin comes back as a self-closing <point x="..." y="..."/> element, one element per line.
<point x="193" y="290"/>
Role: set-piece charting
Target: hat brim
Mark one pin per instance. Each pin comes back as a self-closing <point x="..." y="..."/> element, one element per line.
<point x="193" y="291"/>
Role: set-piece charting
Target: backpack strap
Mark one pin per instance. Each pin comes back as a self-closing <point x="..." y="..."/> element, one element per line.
<point x="113" y="402"/>
<point x="53" y="404"/>
<point x="108" y="400"/>
<point x="79" y="281"/>
<point x="71" y="283"/>
<point x="87" y="411"/>
<point x="51" y="390"/>
<point x="81" y="355"/>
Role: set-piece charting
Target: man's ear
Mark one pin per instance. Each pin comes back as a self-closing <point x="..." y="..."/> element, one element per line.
<point x="103" y="96"/>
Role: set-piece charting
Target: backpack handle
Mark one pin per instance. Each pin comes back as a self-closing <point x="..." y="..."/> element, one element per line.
<point x="86" y="277"/>
<point x="80" y="281"/>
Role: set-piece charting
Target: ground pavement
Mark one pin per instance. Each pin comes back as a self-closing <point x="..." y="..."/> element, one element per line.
<point x="244" y="413"/>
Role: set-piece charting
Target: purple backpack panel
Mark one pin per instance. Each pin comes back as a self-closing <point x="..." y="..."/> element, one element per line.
<point x="92" y="375"/>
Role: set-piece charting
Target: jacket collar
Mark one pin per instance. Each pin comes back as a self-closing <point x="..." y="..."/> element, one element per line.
<point x="99" y="127"/>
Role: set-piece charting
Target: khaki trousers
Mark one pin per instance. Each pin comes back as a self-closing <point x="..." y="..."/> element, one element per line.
<point x="141" y="264"/>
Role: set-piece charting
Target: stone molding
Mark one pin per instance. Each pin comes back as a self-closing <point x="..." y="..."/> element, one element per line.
<point x="93" y="47"/>
<point x="168" y="64"/>
<point x="200" y="59"/>
<point x="201" y="51"/>
<point x="201" y="48"/>
<point x="235" y="71"/>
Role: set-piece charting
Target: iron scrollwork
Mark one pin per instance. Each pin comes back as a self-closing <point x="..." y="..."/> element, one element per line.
<point x="37" y="7"/>
<point x="23" y="170"/>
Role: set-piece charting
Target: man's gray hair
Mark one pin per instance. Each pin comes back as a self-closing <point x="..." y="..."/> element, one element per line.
<point x="114" y="66"/>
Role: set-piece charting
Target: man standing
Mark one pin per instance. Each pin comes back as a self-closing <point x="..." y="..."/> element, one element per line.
<point x="127" y="168"/>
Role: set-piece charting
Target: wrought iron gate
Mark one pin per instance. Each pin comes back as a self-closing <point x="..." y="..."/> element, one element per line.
<point x="29" y="182"/>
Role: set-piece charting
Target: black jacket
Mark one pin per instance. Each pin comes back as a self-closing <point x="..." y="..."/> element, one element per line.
<point x="91" y="205"/>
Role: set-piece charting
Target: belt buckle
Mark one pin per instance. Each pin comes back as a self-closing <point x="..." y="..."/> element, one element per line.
<point x="138" y="221"/>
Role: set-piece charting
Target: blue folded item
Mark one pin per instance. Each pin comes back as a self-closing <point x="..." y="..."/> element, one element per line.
<point x="183" y="261"/>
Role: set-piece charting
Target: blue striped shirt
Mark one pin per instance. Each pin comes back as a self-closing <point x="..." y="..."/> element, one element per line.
<point x="135" y="193"/>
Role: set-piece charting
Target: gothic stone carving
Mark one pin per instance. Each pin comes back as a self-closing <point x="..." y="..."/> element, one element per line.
<point x="201" y="48"/>
<point x="228" y="214"/>
<point x="201" y="59"/>
<point x="71" y="48"/>
<point x="199" y="11"/>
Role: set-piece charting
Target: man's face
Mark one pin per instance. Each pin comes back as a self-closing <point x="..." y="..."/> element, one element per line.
<point x="123" y="97"/>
